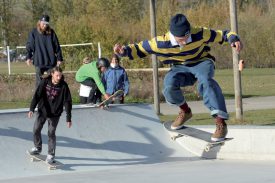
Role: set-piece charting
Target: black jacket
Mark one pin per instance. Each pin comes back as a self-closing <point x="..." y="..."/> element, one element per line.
<point x="51" y="99"/>
<point x="43" y="49"/>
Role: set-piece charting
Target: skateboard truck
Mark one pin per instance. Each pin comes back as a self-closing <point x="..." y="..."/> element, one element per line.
<point x="37" y="158"/>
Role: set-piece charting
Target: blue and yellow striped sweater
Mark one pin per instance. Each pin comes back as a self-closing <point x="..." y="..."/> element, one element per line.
<point x="192" y="52"/>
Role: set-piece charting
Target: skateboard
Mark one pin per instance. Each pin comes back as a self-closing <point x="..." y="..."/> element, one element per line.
<point x="194" y="133"/>
<point x="106" y="102"/>
<point x="40" y="157"/>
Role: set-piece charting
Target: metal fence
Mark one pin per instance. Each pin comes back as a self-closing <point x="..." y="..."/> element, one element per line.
<point x="72" y="53"/>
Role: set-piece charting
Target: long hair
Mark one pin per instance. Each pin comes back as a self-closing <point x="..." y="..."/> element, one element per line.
<point x="47" y="31"/>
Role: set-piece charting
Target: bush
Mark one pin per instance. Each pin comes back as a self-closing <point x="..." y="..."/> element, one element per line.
<point x="20" y="88"/>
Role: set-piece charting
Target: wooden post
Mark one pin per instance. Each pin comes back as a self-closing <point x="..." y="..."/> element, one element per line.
<point x="154" y="57"/>
<point x="237" y="75"/>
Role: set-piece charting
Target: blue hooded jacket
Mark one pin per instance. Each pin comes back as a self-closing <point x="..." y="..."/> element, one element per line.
<point x="116" y="79"/>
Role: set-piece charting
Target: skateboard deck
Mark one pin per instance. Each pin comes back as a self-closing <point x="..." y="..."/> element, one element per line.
<point x="40" y="157"/>
<point x="194" y="133"/>
<point x="111" y="98"/>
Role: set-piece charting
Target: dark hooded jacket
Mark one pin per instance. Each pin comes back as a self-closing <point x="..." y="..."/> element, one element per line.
<point x="43" y="48"/>
<point x="51" y="98"/>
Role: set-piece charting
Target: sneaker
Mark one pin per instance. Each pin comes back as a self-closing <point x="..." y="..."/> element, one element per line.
<point x="181" y="119"/>
<point x="220" y="133"/>
<point x="50" y="159"/>
<point x="34" y="151"/>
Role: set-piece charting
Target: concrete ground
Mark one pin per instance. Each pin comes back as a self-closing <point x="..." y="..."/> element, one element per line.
<point x="123" y="144"/>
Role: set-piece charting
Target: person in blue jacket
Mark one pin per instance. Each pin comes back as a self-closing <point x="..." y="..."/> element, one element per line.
<point x="115" y="78"/>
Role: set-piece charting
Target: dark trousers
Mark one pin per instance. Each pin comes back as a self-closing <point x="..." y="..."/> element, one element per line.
<point x="83" y="100"/>
<point x="37" y="128"/>
<point x="95" y="94"/>
<point x="39" y="73"/>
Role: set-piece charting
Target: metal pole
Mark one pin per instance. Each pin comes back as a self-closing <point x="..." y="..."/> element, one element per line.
<point x="9" y="59"/>
<point x="237" y="75"/>
<point x="99" y="50"/>
<point x="154" y="57"/>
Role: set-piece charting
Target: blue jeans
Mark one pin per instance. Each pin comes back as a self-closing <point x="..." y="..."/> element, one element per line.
<point x="209" y="89"/>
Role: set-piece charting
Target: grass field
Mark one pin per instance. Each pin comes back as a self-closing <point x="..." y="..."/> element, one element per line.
<point x="255" y="83"/>
<point x="253" y="117"/>
<point x="16" y="68"/>
<point x="16" y="90"/>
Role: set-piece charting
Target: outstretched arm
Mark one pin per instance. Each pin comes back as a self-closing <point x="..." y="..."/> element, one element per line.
<point x="137" y="50"/>
<point x="223" y="37"/>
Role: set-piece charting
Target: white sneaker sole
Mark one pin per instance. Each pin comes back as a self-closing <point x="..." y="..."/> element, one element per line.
<point x="217" y="139"/>
<point x="177" y="128"/>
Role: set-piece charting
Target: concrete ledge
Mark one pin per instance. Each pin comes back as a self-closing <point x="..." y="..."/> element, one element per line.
<point x="249" y="143"/>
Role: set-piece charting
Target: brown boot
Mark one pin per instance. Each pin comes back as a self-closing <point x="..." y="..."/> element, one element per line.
<point x="181" y="119"/>
<point x="221" y="130"/>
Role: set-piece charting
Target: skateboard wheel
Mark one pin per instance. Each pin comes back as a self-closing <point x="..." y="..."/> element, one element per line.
<point x="52" y="168"/>
<point x="173" y="138"/>
<point x="207" y="149"/>
<point x="32" y="160"/>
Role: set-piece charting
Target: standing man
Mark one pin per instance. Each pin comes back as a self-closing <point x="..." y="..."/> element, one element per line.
<point x="90" y="75"/>
<point x="43" y="49"/>
<point x="51" y="95"/>
<point x="187" y="49"/>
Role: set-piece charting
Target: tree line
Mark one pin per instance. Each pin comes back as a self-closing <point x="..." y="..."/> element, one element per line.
<point x="124" y="21"/>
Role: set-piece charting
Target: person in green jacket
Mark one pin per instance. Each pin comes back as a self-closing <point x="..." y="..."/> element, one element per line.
<point x="90" y="75"/>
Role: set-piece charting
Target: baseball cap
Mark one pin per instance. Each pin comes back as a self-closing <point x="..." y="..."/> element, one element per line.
<point x="45" y="19"/>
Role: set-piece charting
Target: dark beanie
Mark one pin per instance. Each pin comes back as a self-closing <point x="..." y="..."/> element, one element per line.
<point x="179" y="25"/>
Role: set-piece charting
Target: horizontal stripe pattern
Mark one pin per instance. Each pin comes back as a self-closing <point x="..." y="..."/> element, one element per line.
<point x="194" y="51"/>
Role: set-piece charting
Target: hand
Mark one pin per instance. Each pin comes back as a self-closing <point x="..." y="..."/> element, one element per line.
<point x="29" y="62"/>
<point x="238" y="45"/>
<point x="30" y="114"/>
<point x="58" y="63"/>
<point x="106" y="96"/>
<point x="241" y="65"/>
<point x="69" y="124"/>
<point x="119" y="49"/>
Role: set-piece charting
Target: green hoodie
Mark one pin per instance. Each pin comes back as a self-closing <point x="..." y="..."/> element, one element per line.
<point x="90" y="71"/>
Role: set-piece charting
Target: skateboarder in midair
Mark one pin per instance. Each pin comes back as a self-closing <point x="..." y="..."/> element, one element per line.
<point x="187" y="49"/>
<point x="51" y="95"/>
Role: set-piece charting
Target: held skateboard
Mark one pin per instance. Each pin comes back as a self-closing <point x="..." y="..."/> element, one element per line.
<point x="40" y="157"/>
<point x="194" y="133"/>
<point x="106" y="102"/>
